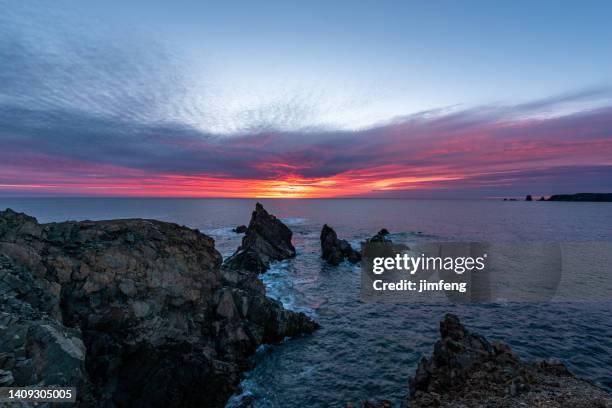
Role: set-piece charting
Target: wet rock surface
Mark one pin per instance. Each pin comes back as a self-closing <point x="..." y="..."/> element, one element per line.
<point x="466" y="370"/>
<point x="266" y="240"/>
<point x="131" y="312"/>
<point x="333" y="250"/>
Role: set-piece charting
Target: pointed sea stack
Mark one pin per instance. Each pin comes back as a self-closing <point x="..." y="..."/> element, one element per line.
<point x="266" y="239"/>
<point x="335" y="250"/>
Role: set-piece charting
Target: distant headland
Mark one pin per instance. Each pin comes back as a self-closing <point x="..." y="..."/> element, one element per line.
<point x="584" y="197"/>
<point x="594" y="197"/>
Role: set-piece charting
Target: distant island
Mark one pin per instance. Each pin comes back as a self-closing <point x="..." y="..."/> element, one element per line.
<point x="592" y="197"/>
<point x="584" y="197"/>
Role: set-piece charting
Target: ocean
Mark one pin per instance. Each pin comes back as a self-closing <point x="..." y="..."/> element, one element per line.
<point x="368" y="350"/>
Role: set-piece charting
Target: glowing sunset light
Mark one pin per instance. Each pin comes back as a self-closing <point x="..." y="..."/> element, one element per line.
<point x="131" y="101"/>
<point x="398" y="159"/>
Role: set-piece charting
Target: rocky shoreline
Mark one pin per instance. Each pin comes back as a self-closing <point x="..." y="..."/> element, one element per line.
<point x="131" y="312"/>
<point x="144" y="313"/>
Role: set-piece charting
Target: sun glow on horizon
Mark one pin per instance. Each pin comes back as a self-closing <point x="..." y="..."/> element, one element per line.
<point x="352" y="183"/>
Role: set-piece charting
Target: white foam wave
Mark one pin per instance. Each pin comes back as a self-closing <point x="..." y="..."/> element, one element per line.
<point x="280" y="286"/>
<point x="220" y="232"/>
<point x="293" y="220"/>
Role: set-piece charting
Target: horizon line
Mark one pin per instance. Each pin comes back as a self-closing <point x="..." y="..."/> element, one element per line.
<point x="278" y="198"/>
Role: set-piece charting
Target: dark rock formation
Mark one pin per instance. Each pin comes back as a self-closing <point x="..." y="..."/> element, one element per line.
<point x="528" y="198"/>
<point x="132" y="312"/>
<point x="267" y="239"/>
<point x="591" y="197"/>
<point x="241" y="229"/>
<point x="466" y="370"/>
<point x="335" y="250"/>
<point x="381" y="236"/>
<point x="542" y="199"/>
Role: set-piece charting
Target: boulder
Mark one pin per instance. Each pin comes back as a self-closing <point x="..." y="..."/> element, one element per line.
<point x="241" y="229"/>
<point x="266" y="240"/>
<point x="334" y="250"/>
<point x="381" y="236"/>
<point x="528" y="198"/>
<point x="132" y="312"/>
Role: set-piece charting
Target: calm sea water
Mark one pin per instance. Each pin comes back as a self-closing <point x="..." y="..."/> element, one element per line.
<point x="368" y="350"/>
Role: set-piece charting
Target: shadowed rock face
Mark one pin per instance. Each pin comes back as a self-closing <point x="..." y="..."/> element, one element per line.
<point x="133" y="312"/>
<point x="267" y="239"/>
<point x="466" y="370"/>
<point x="334" y="250"/>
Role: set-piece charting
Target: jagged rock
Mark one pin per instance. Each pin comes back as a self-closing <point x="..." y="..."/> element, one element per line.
<point x="528" y="198"/>
<point x="267" y="239"/>
<point x="542" y="199"/>
<point x="466" y="370"/>
<point x="335" y="250"/>
<point x="132" y="312"/>
<point x="241" y="229"/>
<point x="381" y="236"/>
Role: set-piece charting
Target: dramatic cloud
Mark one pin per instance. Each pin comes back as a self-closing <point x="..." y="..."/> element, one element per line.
<point x="81" y="116"/>
<point x="492" y="152"/>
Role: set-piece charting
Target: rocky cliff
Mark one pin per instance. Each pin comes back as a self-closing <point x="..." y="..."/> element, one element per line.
<point x="133" y="312"/>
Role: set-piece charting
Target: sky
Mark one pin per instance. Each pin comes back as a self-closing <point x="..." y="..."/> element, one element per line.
<point x="421" y="99"/>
